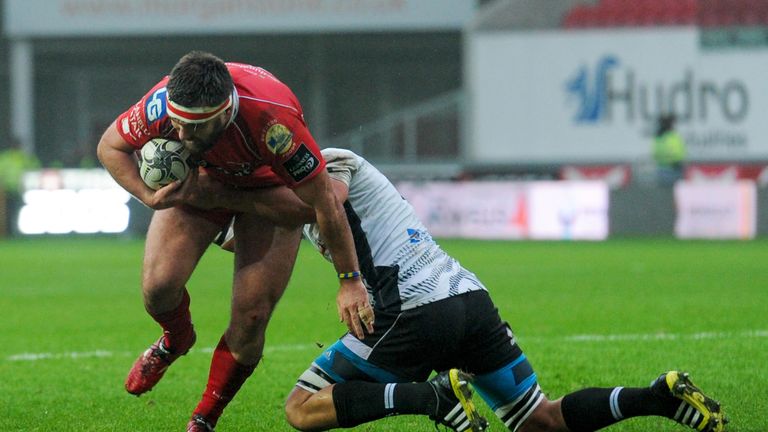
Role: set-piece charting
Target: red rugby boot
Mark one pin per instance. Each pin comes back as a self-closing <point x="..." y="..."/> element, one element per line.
<point x="152" y="364"/>
<point x="198" y="423"/>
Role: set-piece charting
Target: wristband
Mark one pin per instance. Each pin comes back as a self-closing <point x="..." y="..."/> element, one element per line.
<point x="349" y="275"/>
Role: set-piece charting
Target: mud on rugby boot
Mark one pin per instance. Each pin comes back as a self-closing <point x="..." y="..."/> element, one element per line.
<point x="152" y="364"/>
<point x="454" y="402"/>
<point x="696" y="410"/>
<point x="198" y="423"/>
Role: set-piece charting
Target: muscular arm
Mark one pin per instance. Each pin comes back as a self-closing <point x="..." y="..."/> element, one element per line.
<point x="278" y="204"/>
<point x="334" y="229"/>
<point x="331" y="220"/>
<point x="118" y="158"/>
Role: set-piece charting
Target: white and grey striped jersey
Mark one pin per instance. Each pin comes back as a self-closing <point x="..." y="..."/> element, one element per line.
<point x="402" y="266"/>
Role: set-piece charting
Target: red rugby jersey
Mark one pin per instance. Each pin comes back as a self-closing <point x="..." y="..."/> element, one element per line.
<point x="266" y="143"/>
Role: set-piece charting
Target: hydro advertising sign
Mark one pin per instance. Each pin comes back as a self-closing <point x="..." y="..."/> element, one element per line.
<point x="594" y="96"/>
<point x="608" y="91"/>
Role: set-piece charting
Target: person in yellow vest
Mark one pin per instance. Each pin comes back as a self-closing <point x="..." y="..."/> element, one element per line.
<point x="668" y="151"/>
<point x="14" y="162"/>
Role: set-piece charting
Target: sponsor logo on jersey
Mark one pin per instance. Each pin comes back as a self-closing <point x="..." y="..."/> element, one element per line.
<point x="279" y="139"/>
<point x="138" y="129"/>
<point x="301" y="164"/>
<point x="156" y="105"/>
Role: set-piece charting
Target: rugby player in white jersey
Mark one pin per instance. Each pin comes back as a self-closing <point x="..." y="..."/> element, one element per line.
<point x="431" y="314"/>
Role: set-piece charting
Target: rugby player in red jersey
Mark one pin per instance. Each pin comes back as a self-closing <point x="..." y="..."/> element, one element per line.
<point x="245" y="129"/>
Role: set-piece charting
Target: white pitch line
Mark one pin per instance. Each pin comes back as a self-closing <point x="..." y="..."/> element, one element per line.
<point x="666" y="336"/>
<point x="746" y="334"/>
<point x="103" y="353"/>
<point x="56" y="356"/>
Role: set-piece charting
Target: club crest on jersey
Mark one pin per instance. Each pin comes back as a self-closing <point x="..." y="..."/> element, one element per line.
<point x="279" y="139"/>
<point x="156" y="105"/>
<point x="301" y="164"/>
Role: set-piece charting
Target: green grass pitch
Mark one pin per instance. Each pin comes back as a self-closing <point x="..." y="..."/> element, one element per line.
<point x="587" y="314"/>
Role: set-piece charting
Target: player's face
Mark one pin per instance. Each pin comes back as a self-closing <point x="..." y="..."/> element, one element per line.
<point x="200" y="137"/>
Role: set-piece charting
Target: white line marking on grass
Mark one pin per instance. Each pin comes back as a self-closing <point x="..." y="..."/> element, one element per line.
<point x="102" y="353"/>
<point x="55" y="356"/>
<point x="666" y="336"/>
<point x="746" y="334"/>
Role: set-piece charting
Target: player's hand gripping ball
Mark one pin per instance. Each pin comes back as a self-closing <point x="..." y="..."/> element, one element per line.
<point x="163" y="161"/>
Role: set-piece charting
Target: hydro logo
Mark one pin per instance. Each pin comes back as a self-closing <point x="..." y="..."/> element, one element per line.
<point x="590" y="90"/>
<point x="155" y="106"/>
<point x="612" y="90"/>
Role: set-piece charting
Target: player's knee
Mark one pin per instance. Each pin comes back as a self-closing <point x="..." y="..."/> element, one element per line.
<point x="296" y="415"/>
<point x="252" y="313"/>
<point x="162" y="293"/>
<point x="158" y="297"/>
<point x="255" y="316"/>
<point x="161" y="284"/>
<point x="545" y="418"/>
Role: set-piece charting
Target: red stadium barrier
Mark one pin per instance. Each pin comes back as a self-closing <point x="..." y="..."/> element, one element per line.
<point x="705" y="13"/>
<point x="728" y="172"/>
<point x="616" y="176"/>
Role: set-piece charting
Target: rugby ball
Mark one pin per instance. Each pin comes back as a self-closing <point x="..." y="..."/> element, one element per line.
<point x="163" y="161"/>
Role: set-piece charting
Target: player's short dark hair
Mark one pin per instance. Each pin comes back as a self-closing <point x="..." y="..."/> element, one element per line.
<point x="199" y="79"/>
